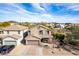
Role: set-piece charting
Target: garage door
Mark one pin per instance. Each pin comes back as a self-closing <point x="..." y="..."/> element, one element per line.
<point x="10" y="43"/>
<point x="36" y="42"/>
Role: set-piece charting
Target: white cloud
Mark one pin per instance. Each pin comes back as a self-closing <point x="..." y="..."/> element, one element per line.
<point x="20" y="9"/>
<point x="74" y="7"/>
<point x="38" y="6"/>
<point x="21" y="14"/>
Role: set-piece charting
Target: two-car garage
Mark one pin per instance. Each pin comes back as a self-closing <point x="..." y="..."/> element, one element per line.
<point x="33" y="42"/>
<point x="9" y="42"/>
<point x="30" y="40"/>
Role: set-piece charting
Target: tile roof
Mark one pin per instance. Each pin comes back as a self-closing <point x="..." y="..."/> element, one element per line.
<point x="11" y="36"/>
<point x="45" y="27"/>
<point x="14" y="27"/>
<point x="30" y="37"/>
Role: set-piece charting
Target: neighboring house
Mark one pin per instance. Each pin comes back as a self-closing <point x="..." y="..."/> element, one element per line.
<point x="32" y="40"/>
<point x="61" y="26"/>
<point x="38" y="34"/>
<point x="12" y="35"/>
<point x="10" y="39"/>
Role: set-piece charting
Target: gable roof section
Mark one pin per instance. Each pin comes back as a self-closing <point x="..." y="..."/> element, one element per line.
<point x="15" y="27"/>
<point x="45" y="27"/>
<point x="30" y="37"/>
<point x="16" y="37"/>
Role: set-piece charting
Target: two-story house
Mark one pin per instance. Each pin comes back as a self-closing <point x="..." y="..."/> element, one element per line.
<point x="38" y="34"/>
<point x="12" y="35"/>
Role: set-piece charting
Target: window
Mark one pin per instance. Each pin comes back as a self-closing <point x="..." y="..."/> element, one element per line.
<point x="18" y="32"/>
<point x="29" y="32"/>
<point x="44" y="40"/>
<point x="47" y="32"/>
<point x="0" y="41"/>
<point x="7" y="32"/>
<point x="0" y="32"/>
<point x="41" y="32"/>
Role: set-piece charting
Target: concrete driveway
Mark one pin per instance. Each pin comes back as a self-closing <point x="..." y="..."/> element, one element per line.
<point x="34" y="50"/>
<point x="25" y="50"/>
<point x="18" y="50"/>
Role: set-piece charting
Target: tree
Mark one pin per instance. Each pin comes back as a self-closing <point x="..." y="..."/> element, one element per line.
<point x="73" y="36"/>
<point x="4" y="24"/>
<point x="59" y="37"/>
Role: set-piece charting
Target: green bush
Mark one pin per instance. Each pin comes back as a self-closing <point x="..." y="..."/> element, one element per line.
<point x="74" y="43"/>
<point x="59" y="36"/>
<point x="4" y="24"/>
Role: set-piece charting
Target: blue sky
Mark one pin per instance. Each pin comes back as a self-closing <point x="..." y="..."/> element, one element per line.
<point x="40" y="12"/>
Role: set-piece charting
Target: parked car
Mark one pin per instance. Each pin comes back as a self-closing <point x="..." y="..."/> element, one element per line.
<point x="6" y="49"/>
<point x="1" y="48"/>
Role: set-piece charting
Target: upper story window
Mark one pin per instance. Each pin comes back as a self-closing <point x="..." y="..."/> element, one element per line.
<point x="47" y="32"/>
<point x="41" y="32"/>
<point x="29" y="32"/>
<point x="1" y="32"/>
<point x="18" y="32"/>
<point x="0" y="41"/>
<point x="7" y="32"/>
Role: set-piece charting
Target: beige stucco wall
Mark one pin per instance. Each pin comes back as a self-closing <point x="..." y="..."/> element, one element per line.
<point x="18" y="41"/>
<point x="8" y="39"/>
<point x="35" y="31"/>
<point x="16" y="33"/>
<point x="13" y="32"/>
